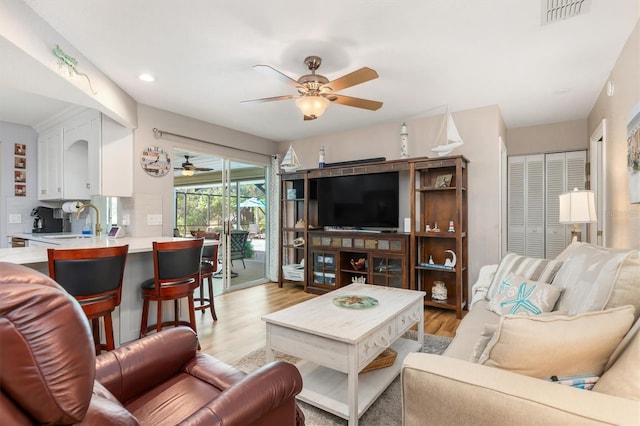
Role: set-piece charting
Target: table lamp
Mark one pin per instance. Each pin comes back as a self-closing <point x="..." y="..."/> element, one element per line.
<point x="577" y="207"/>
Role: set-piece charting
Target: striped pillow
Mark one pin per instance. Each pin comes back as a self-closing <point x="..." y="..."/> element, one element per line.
<point x="530" y="268"/>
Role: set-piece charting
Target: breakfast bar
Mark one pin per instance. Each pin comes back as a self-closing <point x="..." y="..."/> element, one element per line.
<point x="139" y="266"/>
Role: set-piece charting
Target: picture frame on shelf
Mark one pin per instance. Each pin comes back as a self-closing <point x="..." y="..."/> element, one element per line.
<point x="443" y="181"/>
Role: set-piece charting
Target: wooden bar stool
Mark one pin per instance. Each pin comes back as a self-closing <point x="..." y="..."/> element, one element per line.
<point x="176" y="266"/>
<point x="94" y="277"/>
<point x="208" y="266"/>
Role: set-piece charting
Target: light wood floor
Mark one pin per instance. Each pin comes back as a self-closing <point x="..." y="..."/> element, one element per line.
<point x="240" y="329"/>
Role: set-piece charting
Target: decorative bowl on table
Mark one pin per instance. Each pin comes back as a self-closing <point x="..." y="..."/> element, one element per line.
<point x="354" y="301"/>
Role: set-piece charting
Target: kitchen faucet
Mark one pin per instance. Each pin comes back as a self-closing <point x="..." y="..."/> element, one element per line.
<point x="81" y="207"/>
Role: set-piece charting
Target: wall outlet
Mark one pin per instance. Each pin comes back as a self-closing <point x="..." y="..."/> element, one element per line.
<point x="126" y="219"/>
<point x="154" y="219"/>
<point x="15" y="218"/>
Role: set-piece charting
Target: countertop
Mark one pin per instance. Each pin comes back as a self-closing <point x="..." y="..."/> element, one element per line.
<point x="28" y="255"/>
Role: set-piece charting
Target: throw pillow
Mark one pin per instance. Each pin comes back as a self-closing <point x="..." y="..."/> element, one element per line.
<point x="517" y="295"/>
<point x="486" y="336"/>
<point x="532" y="268"/>
<point x="588" y="277"/>
<point x="546" y="346"/>
<point x="623" y="377"/>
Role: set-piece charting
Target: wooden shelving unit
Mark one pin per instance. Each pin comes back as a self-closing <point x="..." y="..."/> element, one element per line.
<point x="440" y="197"/>
<point x="294" y="217"/>
<point x="391" y="259"/>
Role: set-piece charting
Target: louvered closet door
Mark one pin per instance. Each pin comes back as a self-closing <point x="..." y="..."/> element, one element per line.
<point x="534" y="246"/>
<point x="525" y="205"/>
<point x="516" y="204"/>
<point x="556" y="185"/>
<point x="564" y="171"/>
<point x="576" y="178"/>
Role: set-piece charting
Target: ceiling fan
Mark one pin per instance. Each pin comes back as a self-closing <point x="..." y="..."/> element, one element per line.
<point x="188" y="168"/>
<point x="316" y="92"/>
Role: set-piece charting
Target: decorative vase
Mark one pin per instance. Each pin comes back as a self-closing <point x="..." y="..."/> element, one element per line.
<point x="439" y="291"/>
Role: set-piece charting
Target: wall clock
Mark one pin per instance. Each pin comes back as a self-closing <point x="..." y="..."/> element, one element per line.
<point x="155" y="161"/>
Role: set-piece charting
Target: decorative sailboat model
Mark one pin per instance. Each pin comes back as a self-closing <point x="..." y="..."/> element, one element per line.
<point x="290" y="162"/>
<point x="453" y="138"/>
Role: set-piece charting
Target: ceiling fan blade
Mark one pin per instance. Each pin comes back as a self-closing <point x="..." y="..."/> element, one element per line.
<point x="275" y="98"/>
<point x="309" y="117"/>
<point x="203" y="169"/>
<point x="359" y="76"/>
<point x="279" y="75"/>
<point x="355" y="102"/>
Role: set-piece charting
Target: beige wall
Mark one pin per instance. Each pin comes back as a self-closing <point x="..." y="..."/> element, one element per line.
<point x="154" y="195"/>
<point x="554" y="137"/>
<point x="622" y="221"/>
<point x="479" y="128"/>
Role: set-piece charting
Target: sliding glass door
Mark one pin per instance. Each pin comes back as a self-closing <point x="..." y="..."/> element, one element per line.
<point x="230" y="200"/>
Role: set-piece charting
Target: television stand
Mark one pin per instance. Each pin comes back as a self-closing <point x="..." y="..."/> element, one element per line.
<point x="337" y="257"/>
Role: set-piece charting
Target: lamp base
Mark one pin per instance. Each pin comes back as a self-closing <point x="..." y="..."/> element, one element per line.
<point x="576" y="235"/>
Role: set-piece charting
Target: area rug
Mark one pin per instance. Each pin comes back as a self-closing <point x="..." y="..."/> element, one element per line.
<point x="385" y="411"/>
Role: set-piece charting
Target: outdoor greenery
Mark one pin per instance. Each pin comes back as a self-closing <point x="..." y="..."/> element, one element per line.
<point x="200" y="208"/>
<point x="248" y="250"/>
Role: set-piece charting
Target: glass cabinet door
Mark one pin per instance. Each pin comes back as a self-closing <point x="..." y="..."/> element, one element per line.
<point x="324" y="269"/>
<point x="387" y="271"/>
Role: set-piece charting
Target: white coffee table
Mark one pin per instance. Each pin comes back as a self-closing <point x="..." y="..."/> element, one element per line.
<point x="335" y="343"/>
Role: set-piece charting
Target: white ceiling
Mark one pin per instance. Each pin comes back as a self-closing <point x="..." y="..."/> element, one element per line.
<point x="428" y="53"/>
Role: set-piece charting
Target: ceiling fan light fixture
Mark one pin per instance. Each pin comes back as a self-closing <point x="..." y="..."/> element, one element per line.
<point x="312" y="106"/>
<point x="187" y="172"/>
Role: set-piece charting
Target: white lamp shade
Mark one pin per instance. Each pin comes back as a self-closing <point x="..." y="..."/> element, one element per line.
<point x="312" y="106"/>
<point x="577" y="207"/>
<point x="187" y="172"/>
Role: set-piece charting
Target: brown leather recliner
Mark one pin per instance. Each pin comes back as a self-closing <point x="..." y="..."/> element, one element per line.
<point x="49" y="373"/>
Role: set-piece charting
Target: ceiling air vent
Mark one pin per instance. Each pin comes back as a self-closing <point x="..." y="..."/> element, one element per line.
<point x="558" y="10"/>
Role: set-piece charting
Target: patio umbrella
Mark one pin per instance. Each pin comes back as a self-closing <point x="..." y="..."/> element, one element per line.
<point x="253" y="202"/>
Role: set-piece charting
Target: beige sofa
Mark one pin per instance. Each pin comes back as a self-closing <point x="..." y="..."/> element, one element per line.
<point x="495" y="368"/>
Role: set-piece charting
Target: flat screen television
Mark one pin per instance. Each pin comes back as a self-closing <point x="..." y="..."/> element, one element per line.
<point x="359" y="201"/>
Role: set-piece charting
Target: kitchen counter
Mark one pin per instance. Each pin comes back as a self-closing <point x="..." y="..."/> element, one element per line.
<point x="138" y="267"/>
<point x="29" y="255"/>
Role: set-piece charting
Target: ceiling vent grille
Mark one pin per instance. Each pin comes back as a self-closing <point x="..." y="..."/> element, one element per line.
<point x="558" y="10"/>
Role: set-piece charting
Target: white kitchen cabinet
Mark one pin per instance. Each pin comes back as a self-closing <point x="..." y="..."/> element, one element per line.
<point x="49" y="164"/>
<point x="76" y="160"/>
<point x="113" y="172"/>
<point x="86" y="155"/>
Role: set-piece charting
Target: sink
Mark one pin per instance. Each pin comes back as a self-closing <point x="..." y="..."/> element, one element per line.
<point x="66" y="236"/>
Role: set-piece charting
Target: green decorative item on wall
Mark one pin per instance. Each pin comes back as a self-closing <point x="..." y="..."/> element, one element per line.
<point x="71" y="64"/>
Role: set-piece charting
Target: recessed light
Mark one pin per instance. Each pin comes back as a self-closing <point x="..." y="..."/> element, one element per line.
<point x="146" y="77"/>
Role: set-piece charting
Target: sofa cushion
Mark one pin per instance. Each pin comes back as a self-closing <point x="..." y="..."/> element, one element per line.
<point x="622" y="378"/>
<point x="472" y="325"/>
<point x="548" y="346"/>
<point x="542" y="270"/>
<point x="626" y="290"/>
<point x="589" y="278"/>
<point x="518" y="295"/>
<point x="105" y="409"/>
<point x="486" y="336"/>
